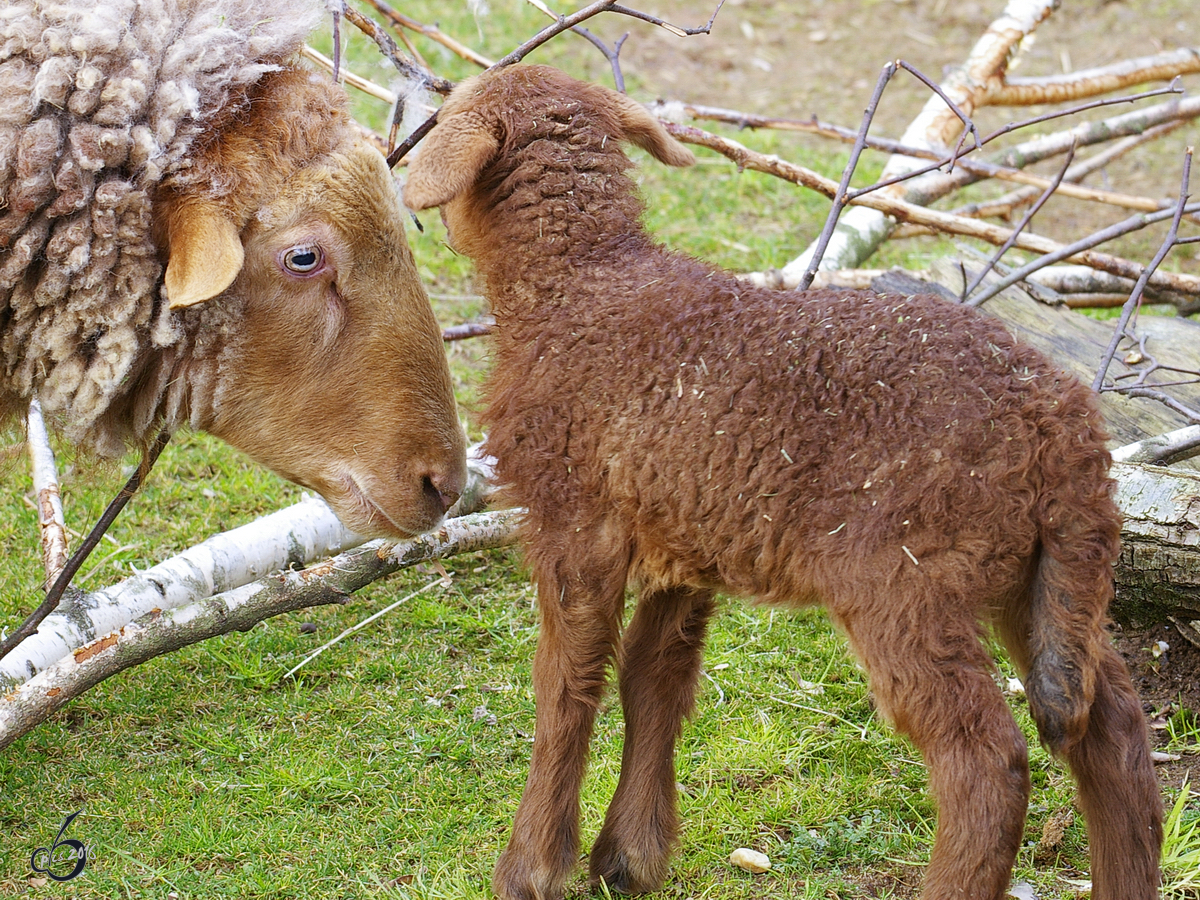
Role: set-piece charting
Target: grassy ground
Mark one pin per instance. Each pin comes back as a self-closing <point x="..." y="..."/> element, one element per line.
<point x="392" y="764"/>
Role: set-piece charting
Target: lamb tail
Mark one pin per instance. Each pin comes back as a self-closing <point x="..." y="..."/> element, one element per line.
<point x="1079" y="529"/>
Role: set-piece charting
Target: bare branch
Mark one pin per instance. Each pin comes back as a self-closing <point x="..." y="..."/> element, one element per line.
<point x="839" y="198"/>
<point x="466" y="330"/>
<point x="1004" y="248"/>
<point x="345" y="75"/>
<point x="564" y="23"/>
<point x="673" y="110"/>
<point x="1135" y="298"/>
<point x="613" y="56"/>
<point x="1091" y="82"/>
<point x="1133" y="223"/>
<point x="1162" y="450"/>
<point x="1173" y="88"/>
<point x="406" y="67"/>
<point x="674" y="29"/>
<point x="63" y="581"/>
<point x="1005" y="204"/>
<point x="433" y="33"/>
<point x="921" y="215"/>
<point x="1083" y="280"/>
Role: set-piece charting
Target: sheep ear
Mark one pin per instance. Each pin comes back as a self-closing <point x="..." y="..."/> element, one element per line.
<point x="205" y="254"/>
<point x="648" y="133"/>
<point x="451" y="158"/>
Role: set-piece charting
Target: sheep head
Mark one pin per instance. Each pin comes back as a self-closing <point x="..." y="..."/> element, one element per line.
<point x="333" y="371"/>
<point x="486" y="116"/>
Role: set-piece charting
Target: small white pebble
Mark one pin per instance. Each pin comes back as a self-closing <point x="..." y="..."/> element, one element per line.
<point x="750" y="860"/>
<point x="1015" y="686"/>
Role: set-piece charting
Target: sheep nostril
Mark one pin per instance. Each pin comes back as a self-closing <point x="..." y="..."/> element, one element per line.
<point x="433" y="489"/>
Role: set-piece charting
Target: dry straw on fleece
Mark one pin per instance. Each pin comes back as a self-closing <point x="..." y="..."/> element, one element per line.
<point x="99" y="104"/>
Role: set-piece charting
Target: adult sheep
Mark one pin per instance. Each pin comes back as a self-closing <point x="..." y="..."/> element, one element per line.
<point x="192" y="230"/>
<point x="900" y="460"/>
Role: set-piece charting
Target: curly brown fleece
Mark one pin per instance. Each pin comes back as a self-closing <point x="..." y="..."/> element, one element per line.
<point x="901" y="460"/>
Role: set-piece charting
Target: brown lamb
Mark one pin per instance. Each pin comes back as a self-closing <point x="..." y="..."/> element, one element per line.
<point x="900" y="460"/>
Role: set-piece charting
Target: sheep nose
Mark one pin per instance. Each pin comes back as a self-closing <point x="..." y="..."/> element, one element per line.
<point x="442" y="489"/>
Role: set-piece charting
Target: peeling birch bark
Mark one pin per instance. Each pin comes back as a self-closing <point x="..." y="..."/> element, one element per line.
<point x="160" y="631"/>
<point x="51" y="523"/>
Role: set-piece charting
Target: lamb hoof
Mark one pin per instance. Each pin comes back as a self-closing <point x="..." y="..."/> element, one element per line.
<point x="515" y="879"/>
<point x="623" y="875"/>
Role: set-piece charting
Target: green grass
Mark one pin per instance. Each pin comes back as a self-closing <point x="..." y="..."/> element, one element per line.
<point x="392" y="764"/>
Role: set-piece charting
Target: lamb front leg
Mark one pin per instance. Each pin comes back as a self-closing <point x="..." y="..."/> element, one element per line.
<point x="660" y="662"/>
<point x="581" y="606"/>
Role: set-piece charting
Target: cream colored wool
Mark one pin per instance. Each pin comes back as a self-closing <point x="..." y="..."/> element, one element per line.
<point x="99" y="102"/>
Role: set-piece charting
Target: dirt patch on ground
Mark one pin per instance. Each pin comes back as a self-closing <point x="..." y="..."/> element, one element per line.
<point x="1169" y="684"/>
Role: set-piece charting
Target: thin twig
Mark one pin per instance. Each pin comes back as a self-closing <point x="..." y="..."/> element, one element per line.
<point x="975" y="167"/>
<point x="387" y="46"/>
<point x="564" y="23"/>
<point x="968" y="124"/>
<point x="1135" y="298"/>
<point x="1005" y="204"/>
<point x="1007" y="245"/>
<point x="466" y="330"/>
<point x="1173" y="88"/>
<point x="367" y="87"/>
<point x="54" y="595"/>
<point x="433" y="33"/>
<point x="1125" y="226"/>
<point x="674" y="29"/>
<point x="839" y="198"/>
<point x="613" y="56"/>
<point x="337" y="41"/>
<point x="906" y="211"/>
<point x="357" y="627"/>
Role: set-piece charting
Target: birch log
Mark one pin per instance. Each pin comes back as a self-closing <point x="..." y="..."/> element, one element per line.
<point x="294" y="536"/>
<point x="160" y="631"/>
<point x="291" y="538"/>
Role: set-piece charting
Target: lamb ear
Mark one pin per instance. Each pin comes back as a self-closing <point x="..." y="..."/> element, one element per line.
<point x="205" y="254"/>
<point x="648" y="133"/>
<point x="451" y="158"/>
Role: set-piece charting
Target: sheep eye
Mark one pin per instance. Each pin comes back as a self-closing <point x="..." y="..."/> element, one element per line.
<point x="303" y="260"/>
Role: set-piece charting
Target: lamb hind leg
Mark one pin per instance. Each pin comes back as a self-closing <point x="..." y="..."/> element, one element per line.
<point x="1118" y="790"/>
<point x="660" y="662"/>
<point x="580" y="622"/>
<point x="936" y="686"/>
